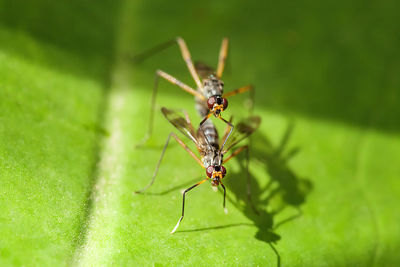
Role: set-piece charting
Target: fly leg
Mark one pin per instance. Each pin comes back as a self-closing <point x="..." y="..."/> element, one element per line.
<point x="180" y="142"/>
<point x="183" y="204"/>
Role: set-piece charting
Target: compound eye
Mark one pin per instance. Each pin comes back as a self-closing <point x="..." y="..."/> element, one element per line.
<point x="211" y="102"/>
<point x="223" y="170"/>
<point x="209" y="171"/>
<point x="224" y="103"/>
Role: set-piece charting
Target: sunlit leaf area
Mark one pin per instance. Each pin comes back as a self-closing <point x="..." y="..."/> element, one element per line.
<point x="75" y="103"/>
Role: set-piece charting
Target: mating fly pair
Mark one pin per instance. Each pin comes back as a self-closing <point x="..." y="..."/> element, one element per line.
<point x="210" y="100"/>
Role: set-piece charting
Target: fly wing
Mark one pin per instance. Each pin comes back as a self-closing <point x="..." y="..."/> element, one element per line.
<point x="204" y="70"/>
<point x="241" y="131"/>
<point x="182" y="124"/>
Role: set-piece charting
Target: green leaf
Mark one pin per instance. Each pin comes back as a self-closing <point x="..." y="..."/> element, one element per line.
<point x="49" y="129"/>
<point x="52" y="95"/>
<point x="324" y="162"/>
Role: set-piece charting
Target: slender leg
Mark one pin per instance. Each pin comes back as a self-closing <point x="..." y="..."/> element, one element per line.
<point x="173" y="80"/>
<point x="205" y="118"/>
<point x="162" y="155"/>
<point x="183" y="204"/>
<point x="148" y="53"/>
<point x="241" y="90"/>
<point x="184" y="51"/>
<point x="222" y="57"/>
<point x="191" y="153"/>
<point x="235" y="153"/>
<point x="230" y="131"/>
<point x="223" y="186"/>
<point x="230" y="126"/>
<point x="248" y="180"/>
<point x="186" y="56"/>
<point x="227" y="130"/>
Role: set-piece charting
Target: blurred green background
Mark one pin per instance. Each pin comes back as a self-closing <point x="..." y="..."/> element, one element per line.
<point x="325" y="161"/>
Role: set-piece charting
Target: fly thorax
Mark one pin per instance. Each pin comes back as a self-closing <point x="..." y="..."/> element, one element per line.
<point x="218" y="158"/>
<point x="212" y="158"/>
<point x="208" y="158"/>
<point x="201" y="107"/>
<point x="213" y="86"/>
<point x="207" y="161"/>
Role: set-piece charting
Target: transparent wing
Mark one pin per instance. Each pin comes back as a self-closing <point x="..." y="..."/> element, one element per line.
<point x="182" y="124"/>
<point x="241" y="131"/>
<point x="204" y="70"/>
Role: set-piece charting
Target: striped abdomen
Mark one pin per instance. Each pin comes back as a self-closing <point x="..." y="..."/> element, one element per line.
<point x="209" y="132"/>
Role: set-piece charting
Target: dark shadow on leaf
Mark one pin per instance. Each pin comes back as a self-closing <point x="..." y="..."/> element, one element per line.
<point x="284" y="189"/>
<point x="215" y="227"/>
<point x="278" y="257"/>
<point x="181" y="186"/>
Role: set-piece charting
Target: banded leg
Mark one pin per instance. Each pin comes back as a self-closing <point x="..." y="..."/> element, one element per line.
<point x="205" y="118"/>
<point x="247" y="88"/>
<point x="248" y="180"/>
<point x="173" y="80"/>
<point x="162" y="156"/>
<point x="222" y="57"/>
<point x="183" y="204"/>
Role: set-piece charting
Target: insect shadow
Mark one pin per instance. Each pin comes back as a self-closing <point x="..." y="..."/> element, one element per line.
<point x="283" y="190"/>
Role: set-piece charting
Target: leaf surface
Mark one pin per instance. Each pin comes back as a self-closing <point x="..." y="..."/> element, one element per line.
<point x="323" y="163"/>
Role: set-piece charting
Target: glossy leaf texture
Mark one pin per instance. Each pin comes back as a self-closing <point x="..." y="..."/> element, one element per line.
<point x="74" y="106"/>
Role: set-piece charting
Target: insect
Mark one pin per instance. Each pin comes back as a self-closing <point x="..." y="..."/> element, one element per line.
<point x="209" y="94"/>
<point x="211" y="150"/>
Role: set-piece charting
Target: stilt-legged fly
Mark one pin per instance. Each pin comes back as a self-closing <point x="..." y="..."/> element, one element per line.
<point x="211" y="149"/>
<point x="209" y="95"/>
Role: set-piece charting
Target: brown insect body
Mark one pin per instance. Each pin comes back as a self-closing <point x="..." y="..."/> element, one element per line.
<point x="212" y="91"/>
<point x="210" y="152"/>
<point x="208" y="144"/>
<point x="209" y="91"/>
